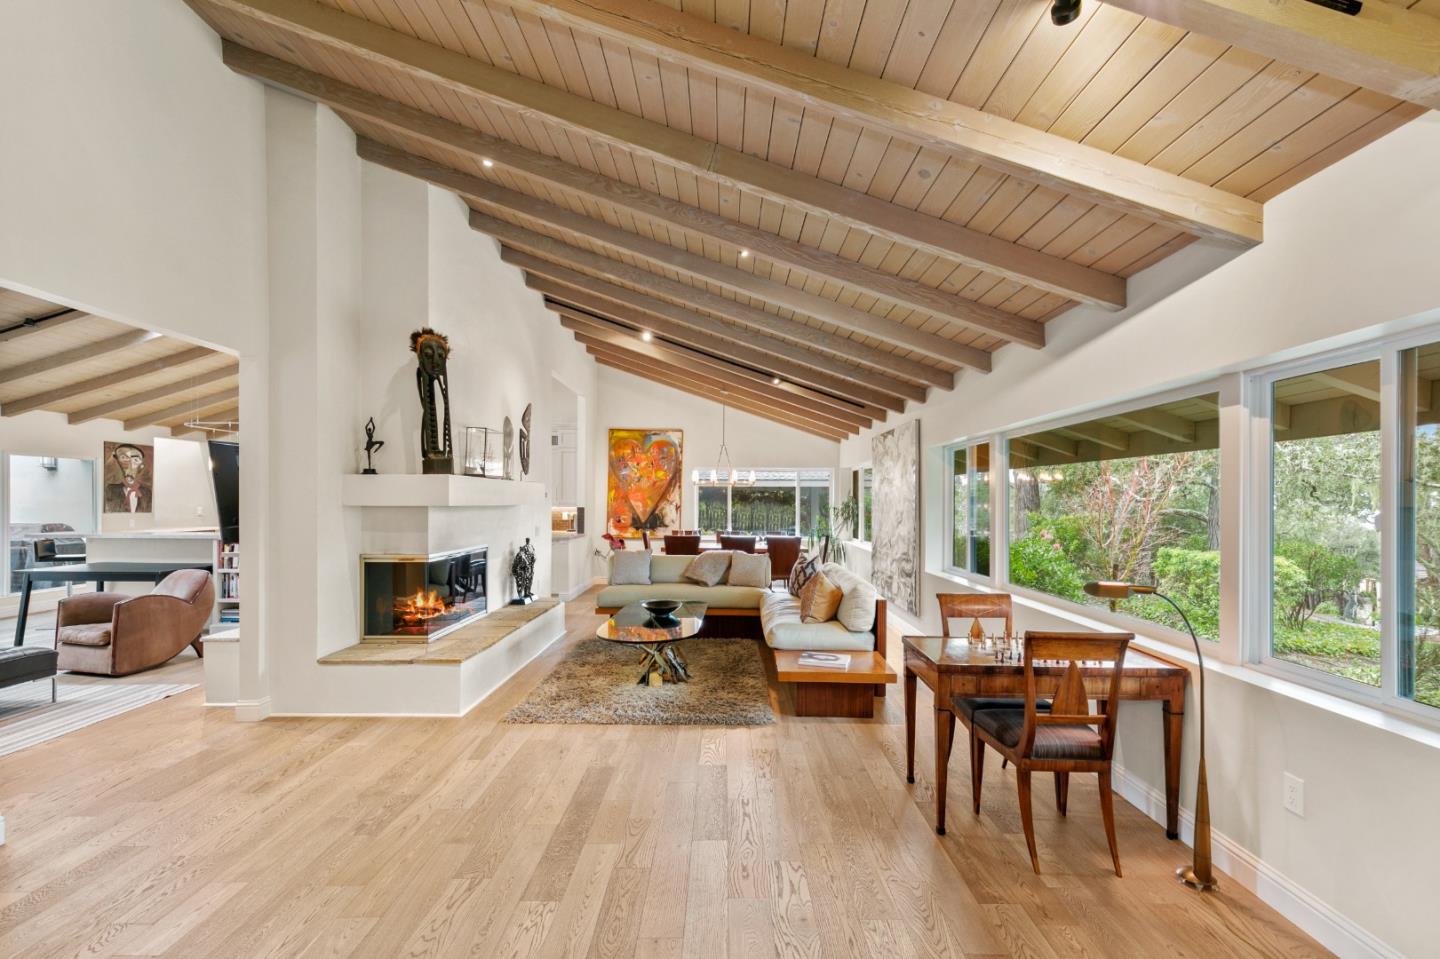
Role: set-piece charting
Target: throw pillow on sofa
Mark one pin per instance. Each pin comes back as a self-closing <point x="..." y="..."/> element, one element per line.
<point x="805" y="567"/>
<point x="630" y="568"/>
<point x="819" y="600"/>
<point x="708" y="569"/>
<point x="750" y="569"/>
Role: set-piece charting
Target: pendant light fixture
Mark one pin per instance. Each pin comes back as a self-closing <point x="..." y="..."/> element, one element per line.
<point x="731" y="478"/>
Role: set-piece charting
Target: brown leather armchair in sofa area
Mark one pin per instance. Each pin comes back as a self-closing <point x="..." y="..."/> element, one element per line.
<point x="113" y="634"/>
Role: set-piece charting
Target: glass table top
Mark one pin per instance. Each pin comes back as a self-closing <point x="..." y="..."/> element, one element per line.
<point x="634" y="624"/>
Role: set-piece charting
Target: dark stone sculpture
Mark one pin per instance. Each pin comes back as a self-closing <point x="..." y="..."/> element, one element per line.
<point x="522" y="567"/>
<point x="525" y="441"/>
<point x="372" y="446"/>
<point x="432" y="379"/>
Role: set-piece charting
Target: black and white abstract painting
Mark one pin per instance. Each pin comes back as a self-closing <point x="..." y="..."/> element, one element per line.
<point x="895" y="526"/>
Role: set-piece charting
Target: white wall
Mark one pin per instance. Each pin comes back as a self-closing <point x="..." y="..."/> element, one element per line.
<point x="630" y="402"/>
<point x="133" y="186"/>
<point x="63" y="493"/>
<point x="1348" y="254"/>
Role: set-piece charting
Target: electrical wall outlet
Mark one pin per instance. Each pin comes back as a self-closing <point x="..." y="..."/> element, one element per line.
<point x="1294" y="795"/>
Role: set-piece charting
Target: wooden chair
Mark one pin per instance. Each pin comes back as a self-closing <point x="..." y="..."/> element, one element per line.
<point x="1068" y="739"/>
<point x="784" y="553"/>
<point x="975" y="607"/>
<point x="744" y="544"/>
<point x="682" y="545"/>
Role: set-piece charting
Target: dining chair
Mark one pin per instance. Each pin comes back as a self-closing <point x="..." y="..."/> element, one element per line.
<point x="975" y="607"/>
<point x="743" y="544"/>
<point x="1069" y="738"/>
<point x="682" y="545"/>
<point x="784" y="553"/>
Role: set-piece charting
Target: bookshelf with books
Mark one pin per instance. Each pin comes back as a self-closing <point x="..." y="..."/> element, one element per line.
<point x="227" y="584"/>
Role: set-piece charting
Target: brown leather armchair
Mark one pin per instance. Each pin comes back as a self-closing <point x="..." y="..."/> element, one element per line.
<point x="114" y="634"/>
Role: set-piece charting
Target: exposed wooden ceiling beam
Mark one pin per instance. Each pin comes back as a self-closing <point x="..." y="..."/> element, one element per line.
<point x="1096" y="433"/>
<point x="560" y="296"/>
<point x="698" y="156"/>
<point x="1169" y="425"/>
<point x="722" y="344"/>
<point x="665" y="256"/>
<point x="1385" y="47"/>
<point x="681" y="368"/>
<point x="986" y="319"/>
<point x="40" y="324"/>
<point x="40" y="400"/>
<point x="151" y="395"/>
<point x="541" y="254"/>
<point x="190" y="406"/>
<point x="732" y="398"/>
<point x="796" y="74"/>
<point x="1362" y="380"/>
<point x="578" y="321"/>
<point x="76" y="354"/>
<point x="1055" y="444"/>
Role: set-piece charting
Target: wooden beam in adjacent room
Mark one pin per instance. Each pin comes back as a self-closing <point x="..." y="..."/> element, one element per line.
<point x="38" y="401"/>
<point x="1177" y="428"/>
<point x="700" y="157"/>
<point x="151" y="395"/>
<point x="705" y="270"/>
<point x="193" y="405"/>
<point x="1359" y="380"/>
<point x="76" y="354"/>
<point x="1088" y="286"/>
<point x="684" y="368"/>
<point x="716" y="336"/>
<point x="1055" y="444"/>
<point x="40" y="324"/>
<point x="578" y="321"/>
<point x="536" y="253"/>
<point x="715" y="395"/>
<point x="1384" y="47"/>
<point x="796" y="74"/>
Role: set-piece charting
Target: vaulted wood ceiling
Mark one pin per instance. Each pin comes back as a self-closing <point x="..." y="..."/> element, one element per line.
<point x="857" y="199"/>
<point x="88" y="367"/>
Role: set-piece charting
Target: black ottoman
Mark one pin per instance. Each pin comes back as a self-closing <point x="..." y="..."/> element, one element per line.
<point x="24" y="664"/>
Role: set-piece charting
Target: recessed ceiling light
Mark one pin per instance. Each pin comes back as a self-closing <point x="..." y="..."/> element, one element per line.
<point x="775" y="380"/>
<point x="488" y="162"/>
<point x="744" y="254"/>
<point x="646" y="335"/>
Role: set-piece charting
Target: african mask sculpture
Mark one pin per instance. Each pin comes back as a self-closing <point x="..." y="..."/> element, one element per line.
<point x="525" y="441"/>
<point x="432" y="379"/>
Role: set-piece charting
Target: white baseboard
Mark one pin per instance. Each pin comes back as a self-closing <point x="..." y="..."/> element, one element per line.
<point x="578" y="590"/>
<point x="252" y="711"/>
<point x="1317" y="918"/>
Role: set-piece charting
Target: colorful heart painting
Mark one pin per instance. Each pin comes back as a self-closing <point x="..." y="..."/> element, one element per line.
<point x="644" y="487"/>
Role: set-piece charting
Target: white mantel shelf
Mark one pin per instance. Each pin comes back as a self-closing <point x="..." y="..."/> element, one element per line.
<point x="414" y="489"/>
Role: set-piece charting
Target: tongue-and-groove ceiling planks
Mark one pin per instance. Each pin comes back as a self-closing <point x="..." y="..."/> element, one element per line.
<point x="919" y="182"/>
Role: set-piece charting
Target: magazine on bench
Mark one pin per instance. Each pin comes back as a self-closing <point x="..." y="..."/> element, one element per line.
<point x="826" y="660"/>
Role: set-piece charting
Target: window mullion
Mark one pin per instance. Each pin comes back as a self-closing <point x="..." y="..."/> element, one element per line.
<point x="999" y="510"/>
<point x="1391" y="592"/>
<point x="1234" y="465"/>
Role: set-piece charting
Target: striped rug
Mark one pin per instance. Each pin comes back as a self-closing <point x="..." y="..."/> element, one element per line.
<point x="28" y="718"/>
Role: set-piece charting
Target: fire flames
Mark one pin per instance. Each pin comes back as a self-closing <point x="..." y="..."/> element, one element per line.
<point x="420" y="608"/>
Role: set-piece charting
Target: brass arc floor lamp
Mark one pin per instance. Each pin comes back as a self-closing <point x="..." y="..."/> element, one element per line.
<point x="1199" y="874"/>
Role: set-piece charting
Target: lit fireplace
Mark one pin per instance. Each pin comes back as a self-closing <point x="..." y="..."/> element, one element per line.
<point x="418" y="599"/>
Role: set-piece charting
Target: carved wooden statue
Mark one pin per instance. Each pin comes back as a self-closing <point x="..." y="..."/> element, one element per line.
<point x="432" y="379"/>
<point x="525" y="441"/>
<point x="509" y="447"/>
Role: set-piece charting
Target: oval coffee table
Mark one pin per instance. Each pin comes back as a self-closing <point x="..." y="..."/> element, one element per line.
<point x="634" y="626"/>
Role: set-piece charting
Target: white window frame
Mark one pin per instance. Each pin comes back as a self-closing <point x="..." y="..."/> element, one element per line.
<point x="948" y="556"/>
<point x="858" y="534"/>
<point x="730" y="500"/>
<point x="1228" y="390"/>
<point x="1259" y="523"/>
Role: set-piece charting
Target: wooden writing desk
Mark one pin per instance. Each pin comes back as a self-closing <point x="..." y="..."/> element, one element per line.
<point x="952" y="667"/>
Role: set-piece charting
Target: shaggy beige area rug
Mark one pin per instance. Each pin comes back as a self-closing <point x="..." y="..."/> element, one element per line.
<point x="596" y="684"/>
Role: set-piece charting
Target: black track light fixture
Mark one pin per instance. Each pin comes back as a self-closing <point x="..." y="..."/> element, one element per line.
<point x="1064" y="11"/>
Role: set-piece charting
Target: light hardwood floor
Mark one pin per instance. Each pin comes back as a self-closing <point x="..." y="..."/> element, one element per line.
<point x="173" y="831"/>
